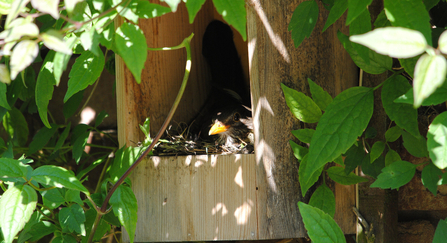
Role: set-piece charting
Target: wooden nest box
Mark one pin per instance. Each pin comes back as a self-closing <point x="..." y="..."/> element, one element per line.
<point x="229" y="197"/>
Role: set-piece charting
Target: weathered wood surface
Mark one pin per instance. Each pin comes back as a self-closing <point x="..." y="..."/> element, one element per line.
<point x="273" y="60"/>
<point x="196" y="198"/>
<point x="202" y="202"/>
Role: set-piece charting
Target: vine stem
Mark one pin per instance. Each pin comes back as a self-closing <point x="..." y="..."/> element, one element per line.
<point x="185" y="44"/>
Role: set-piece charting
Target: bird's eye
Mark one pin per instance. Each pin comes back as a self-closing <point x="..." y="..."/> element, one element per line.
<point x="236" y="117"/>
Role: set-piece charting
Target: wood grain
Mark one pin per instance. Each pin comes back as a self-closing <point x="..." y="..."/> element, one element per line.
<point x="274" y="60"/>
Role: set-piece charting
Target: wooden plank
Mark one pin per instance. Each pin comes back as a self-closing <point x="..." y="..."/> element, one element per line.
<point x="273" y="59"/>
<point x="163" y="74"/>
<point x="196" y="198"/>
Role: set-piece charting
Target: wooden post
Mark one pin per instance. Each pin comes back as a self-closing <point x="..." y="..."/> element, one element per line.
<point x="274" y="60"/>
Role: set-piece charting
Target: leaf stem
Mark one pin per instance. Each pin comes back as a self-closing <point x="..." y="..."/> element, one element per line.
<point x="186" y="44"/>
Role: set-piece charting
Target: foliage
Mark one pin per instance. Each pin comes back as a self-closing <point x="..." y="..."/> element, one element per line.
<point x="43" y="196"/>
<point x="342" y="130"/>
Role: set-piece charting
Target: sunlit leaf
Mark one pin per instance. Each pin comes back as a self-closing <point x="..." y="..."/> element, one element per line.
<point x="60" y="177"/>
<point x="343" y="122"/>
<point x="173" y="4"/>
<point x="47" y="6"/>
<point x="301" y="106"/>
<point x="436" y="141"/>
<point x="125" y="207"/>
<point x="16" y="7"/>
<point x="395" y="42"/>
<point x="442" y="42"/>
<point x="5" y="6"/>
<point x="54" y="40"/>
<point x="17" y="205"/>
<point x="22" y="56"/>
<point x="193" y="7"/>
<point x="234" y="13"/>
<point x="298" y="150"/>
<point x="73" y="218"/>
<point x="429" y="74"/>
<point x="5" y="78"/>
<point x="132" y="47"/>
<point x="320" y="96"/>
<point x="320" y="225"/>
<point x="410" y="14"/>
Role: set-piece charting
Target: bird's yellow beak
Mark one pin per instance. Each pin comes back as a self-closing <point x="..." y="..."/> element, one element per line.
<point x="218" y="128"/>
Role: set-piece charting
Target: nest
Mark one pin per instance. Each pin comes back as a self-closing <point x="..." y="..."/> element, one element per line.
<point x="178" y="140"/>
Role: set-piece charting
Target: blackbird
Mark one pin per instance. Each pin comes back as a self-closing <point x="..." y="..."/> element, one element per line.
<point x="225" y="116"/>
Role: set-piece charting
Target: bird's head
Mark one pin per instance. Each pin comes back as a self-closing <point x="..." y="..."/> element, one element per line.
<point x="233" y="124"/>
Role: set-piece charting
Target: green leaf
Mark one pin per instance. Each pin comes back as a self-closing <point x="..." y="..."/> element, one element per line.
<point x="72" y="104"/>
<point x="53" y="198"/>
<point x="85" y="71"/>
<point x="3" y="98"/>
<point x="11" y="168"/>
<point x="73" y="196"/>
<point x="404" y="115"/>
<point x="376" y="150"/>
<point x="395" y="175"/>
<point x="173" y="4"/>
<point x="416" y="146"/>
<point x="336" y="12"/>
<point x="17" y="204"/>
<point x="391" y="157"/>
<point x="132" y="47"/>
<point x="298" y="150"/>
<point x="52" y="175"/>
<point x="381" y="20"/>
<point x="408" y="64"/>
<point x="36" y="229"/>
<point x="22" y="56"/>
<point x="301" y="106"/>
<point x="339" y="175"/>
<point x="343" y="122"/>
<point x="436" y="140"/>
<point x="441" y="232"/>
<point x="100" y="117"/>
<point x="355" y="9"/>
<point x="79" y="146"/>
<point x="377" y="63"/>
<point x="41" y="139"/>
<point x="303" y="21"/>
<point x="429" y="4"/>
<point x="409" y="14"/>
<point x="430" y="177"/>
<point x="64" y="239"/>
<point x="354" y="157"/>
<point x="393" y="41"/>
<point x="361" y="25"/>
<point x="319" y="225"/>
<point x="304" y="135"/>
<point x="73" y="219"/>
<point x="44" y="87"/>
<point x="148" y="10"/>
<point x="124" y="158"/>
<point x="102" y="228"/>
<point x="15" y="124"/>
<point x="393" y="133"/>
<point x="124" y="204"/>
<point x="429" y="74"/>
<point x="305" y="178"/>
<point x="438" y="97"/>
<point x="234" y="13"/>
<point x="193" y="7"/>
<point x="62" y="138"/>
<point x="320" y="96"/>
<point x="323" y="198"/>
